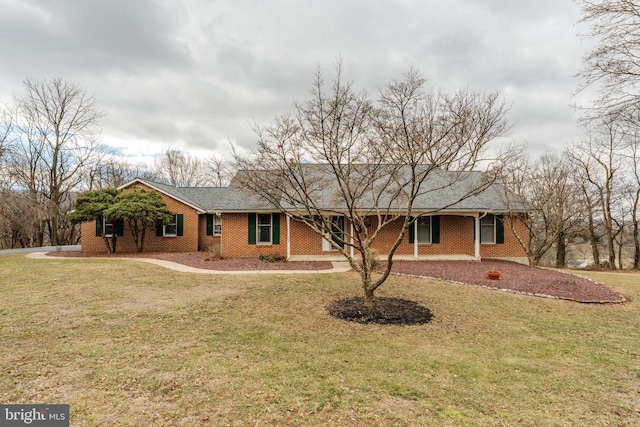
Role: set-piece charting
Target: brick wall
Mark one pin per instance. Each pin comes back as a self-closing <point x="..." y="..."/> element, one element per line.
<point x="188" y="242"/>
<point x="511" y="247"/>
<point x="456" y="237"/>
<point x="304" y="241"/>
<point x="205" y="241"/>
<point x="235" y="237"/>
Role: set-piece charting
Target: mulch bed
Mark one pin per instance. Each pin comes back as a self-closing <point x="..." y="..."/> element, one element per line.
<point x="197" y="260"/>
<point x="514" y="277"/>
<point x="388" y="311"/>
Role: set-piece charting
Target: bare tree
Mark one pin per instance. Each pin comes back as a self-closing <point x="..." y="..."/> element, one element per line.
<point x="340" y="153"/>
<point x="218" y="171"/>
<point x="114" y="172"/>
<point x="174" y="167"/>
<point x="613" y="65"/>
<point x="6" y="142"/>
<point x="55" y="129"/>
<point x="546" y="184"/>
<point x="599" y="163"/>
<point x="634" y="190"/>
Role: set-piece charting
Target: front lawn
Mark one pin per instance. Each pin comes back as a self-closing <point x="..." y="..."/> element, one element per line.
<point x="125" y="343"/>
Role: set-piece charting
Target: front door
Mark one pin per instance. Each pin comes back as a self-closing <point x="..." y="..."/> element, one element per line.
<point x="337" y="228"/>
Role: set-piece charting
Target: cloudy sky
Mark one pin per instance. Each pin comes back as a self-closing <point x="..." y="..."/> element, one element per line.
<point x="195" y="74"/>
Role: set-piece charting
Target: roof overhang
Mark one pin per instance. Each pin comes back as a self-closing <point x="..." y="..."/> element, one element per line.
<point x="159" y="190"/>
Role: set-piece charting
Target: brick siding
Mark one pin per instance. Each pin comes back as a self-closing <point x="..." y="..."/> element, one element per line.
<point x="188" y="242"/>
<point x="456" y="237"/>
<point x="235" y="237"/>
<point x="205" y="241"/>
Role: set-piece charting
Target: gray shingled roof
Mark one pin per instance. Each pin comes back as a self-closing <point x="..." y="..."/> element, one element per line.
<point x="442" y="191"/>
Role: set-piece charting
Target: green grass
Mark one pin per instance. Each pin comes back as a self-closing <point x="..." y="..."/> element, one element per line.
<point x="128" y="344"/>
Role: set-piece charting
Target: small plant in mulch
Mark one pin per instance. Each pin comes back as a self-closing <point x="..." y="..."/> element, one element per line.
<point x="388" y="311"/>
<point x="273" y="257"/>
<point x="214" y="253"/>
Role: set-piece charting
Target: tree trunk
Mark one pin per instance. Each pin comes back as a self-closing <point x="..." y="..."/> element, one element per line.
<point x="620" y="266"/>
<point x="636" y="242"/>
<point x="142" y="234"/>
<point x="369" y="298"/>
<point x="561" y="250"/>
<point x="595" y="252"/>
<point x="612" y="250"/>
<point x="636" y="239"/>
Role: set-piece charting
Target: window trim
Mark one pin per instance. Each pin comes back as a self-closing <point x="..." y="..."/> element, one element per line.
<point x="424" y="217"/>
<point x="164" y="227"/>
<point x="104" y="227"/>
<point x="259" y="226"/>
<point x="217" y="225"/>
<point x="493" y="228"/>
<point x="337" y="224"/>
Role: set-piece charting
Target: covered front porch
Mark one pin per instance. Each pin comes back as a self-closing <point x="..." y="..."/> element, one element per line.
<point x="334" y="257"/>
<point x="451" y="236"/>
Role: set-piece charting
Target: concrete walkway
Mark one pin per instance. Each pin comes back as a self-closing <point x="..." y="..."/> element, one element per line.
<point x="338" y="266"/>
<point x="66" y="248"/>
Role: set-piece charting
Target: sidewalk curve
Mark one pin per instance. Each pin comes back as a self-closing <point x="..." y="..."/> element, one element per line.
<point x="338" y="266"/>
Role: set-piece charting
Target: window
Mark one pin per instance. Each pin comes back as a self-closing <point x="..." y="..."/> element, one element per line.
<point x="107" y="228"/>
<point x="264" y="228"/>
<point x="336" y="234"/>
<point x="423" y="229"/>
<point x="488" y="229"/>
<point x="171" y="228"/>
<point x="217" y="225"/>
<point x="214" y="225"/>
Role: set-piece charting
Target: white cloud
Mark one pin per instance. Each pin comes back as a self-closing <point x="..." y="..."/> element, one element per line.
<point x="195" y="74"/>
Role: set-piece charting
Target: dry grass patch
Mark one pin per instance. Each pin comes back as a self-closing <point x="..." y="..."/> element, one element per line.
<point x="129" y="344"/>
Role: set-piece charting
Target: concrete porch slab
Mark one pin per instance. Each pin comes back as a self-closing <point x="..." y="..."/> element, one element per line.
<point x="337" y="257"/>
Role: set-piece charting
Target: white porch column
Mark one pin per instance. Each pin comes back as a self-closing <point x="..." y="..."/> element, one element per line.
<point x="477" y="234"/>
<point x="288" y="237"/>
<point x="415" y="238"/>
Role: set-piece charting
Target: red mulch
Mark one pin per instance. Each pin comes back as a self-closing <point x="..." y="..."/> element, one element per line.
<point x="197" y="260"/>
<point x="514" y="278"/>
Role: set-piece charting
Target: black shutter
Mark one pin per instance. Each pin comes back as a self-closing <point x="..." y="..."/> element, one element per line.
<point x="98" y="227"/>
<point x="435" y="229"/>
<point x="252" y="228"/>
<point x="499" y="228"/>
<point x="180" y="224"/>
<point x="275" y="237"/>
<point x="119" y="224"/>
<point x="209" y="224"/>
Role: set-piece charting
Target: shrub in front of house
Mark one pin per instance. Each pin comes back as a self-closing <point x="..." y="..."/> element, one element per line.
<point x="273" y="257"/>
